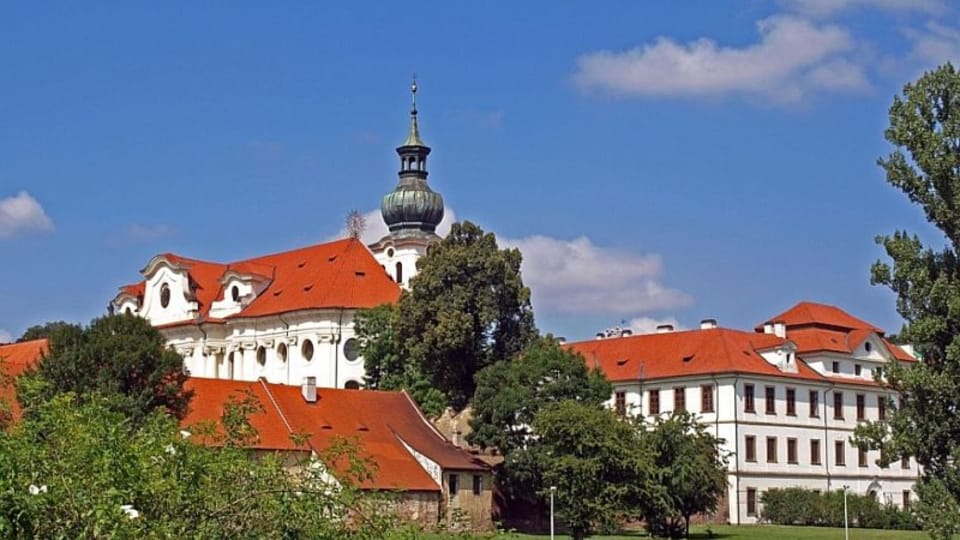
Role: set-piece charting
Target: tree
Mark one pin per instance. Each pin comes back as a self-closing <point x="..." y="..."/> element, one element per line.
<point x="46" y="330"/>
<point x="85" y="470"/>
<point x="691" y="469"/>
<point x="598" y="464"/>
<point x="387" y="365"/>
<point x="925" y="166"/>
<point x="467" y="308"/>
<point x="117" y="355"/>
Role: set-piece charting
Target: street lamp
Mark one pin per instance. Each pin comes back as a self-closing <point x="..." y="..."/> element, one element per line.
<point x="846" y="526"/>
<point x="553" y="489"/>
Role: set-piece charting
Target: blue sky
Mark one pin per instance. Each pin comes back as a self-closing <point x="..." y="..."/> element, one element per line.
<point x="655" y="162"/>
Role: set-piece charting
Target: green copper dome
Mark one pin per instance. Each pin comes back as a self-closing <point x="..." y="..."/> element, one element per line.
<point x="412" y="208"/>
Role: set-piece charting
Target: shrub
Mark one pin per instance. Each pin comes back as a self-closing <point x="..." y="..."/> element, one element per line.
<point x="800" y="506"/>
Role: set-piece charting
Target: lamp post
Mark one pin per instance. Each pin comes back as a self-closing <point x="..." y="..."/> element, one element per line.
<point x="553" y="489"/>
<point x="846" y="526"/>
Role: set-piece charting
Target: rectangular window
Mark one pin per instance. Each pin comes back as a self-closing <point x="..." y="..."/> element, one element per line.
<point x="770" y="399"/>
<point x="654" y="398"/>
<point x="621" y="403"/>
<point x="815" y="451"/>
<point x="771" y="449"/>
<point x="751" y="501"/>
<point x="791" y="402"/>
<point x="706" y="398"/>
<point x="750" y="448"/>
<point x="836" y="367"/>
<point x="838" y="405"/>
<point x="861" y="407"/>
<point x="680" y="398"/>
<point x="906" y="499"/>
<point x="477" y="484"/>
<point x="857" y="370"/>
<point x="814" y="404"/>
<point x="905" y="462"/>
<point x="453" y="484"/>
<point x="839" y="454"/>
<point x="791" y="450"/>
<point x="882" y="407"/>
<point x="748" y="404"/>
<point x="862" y="456"/>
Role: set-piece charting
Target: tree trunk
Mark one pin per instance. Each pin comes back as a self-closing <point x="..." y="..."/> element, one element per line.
<point x="578" y="533"/>
<point x="686" y="525"/>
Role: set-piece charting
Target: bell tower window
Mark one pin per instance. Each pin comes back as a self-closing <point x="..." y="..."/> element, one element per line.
<point x="399" y="272"/>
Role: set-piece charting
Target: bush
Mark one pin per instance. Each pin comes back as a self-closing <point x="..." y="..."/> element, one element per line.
<point x="800" y="506"/>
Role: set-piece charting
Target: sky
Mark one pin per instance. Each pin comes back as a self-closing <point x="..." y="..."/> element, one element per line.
<point x="654" y="162"/>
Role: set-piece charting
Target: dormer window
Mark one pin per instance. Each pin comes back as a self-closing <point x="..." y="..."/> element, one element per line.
<point x="867" y="346"/>
<point x="235" y="293"/>
<point x="164" y="295"/>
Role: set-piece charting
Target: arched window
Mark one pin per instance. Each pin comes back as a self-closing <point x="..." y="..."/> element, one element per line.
<point x="352" y="385"/>
<point x="399" y="272"/>
<point x="262" y="355"/>
<point x="282" y="352"/>
<point x="230" y="364"/>
<point x="235" y="293"/>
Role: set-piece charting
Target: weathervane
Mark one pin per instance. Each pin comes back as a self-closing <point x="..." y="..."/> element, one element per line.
<point x="413" y="94"/>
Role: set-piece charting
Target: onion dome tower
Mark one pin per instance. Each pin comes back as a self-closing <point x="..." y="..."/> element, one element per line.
<point x="412" y="210"/>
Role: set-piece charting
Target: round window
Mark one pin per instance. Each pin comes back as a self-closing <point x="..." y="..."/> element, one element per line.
<point x="351" y="349"/>
<point x="389" y="252"/>
<point x="352" y="385"/>
<point x="262" y="355"/>
<point x="307" y="350"/>
<point x="164" y="295"/>
<point x="235" y="293"/>
<point x="282" y="352"/>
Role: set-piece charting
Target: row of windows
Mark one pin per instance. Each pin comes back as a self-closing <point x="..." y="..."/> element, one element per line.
<point x="839" y="452"/>
<point x="752" y="500"/>
<point x="679" y="400"/>
<point x="453" y="484"/>
<point x="770" y="403"/>
<point x="351" y="351"/>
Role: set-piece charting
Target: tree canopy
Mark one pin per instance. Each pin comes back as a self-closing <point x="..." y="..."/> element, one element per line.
<point x="925" y="165"/>
<point x="39" y="331"/>
<point x="467" y="308"/>
<point x="117" y="355"/>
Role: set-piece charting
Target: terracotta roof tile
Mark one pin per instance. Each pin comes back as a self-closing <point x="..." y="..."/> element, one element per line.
<point x="821" y="315"/>
<point x="15" y="358"/>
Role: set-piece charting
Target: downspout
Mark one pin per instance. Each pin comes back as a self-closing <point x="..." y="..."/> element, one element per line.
<point x="286" y="336"/>
<point x="826" y="440"/>
<point x="203" y="347"/>
<point x="736" y="442"/>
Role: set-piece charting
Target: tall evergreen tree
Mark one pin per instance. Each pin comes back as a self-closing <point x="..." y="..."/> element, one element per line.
<point x="925" y="166"/>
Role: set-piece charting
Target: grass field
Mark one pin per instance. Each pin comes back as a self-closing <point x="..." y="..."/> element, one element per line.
<point x="748" y="532"/>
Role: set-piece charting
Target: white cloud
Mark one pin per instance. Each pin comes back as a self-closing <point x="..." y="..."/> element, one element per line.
<point x="5" y="337"/>
<point x="934" y="45"/>
<point x="21" y="213"/>
<point x="576" y="276"/>
<point x="143" y="233"/>
<point x="648" y="325"/>
<point x="821" y="8"/>
<point x="792" y="58"/>
<point x="375" y="228"/>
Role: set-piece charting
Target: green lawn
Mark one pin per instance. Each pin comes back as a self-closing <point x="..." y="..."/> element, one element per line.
<point x="748" y="532"/>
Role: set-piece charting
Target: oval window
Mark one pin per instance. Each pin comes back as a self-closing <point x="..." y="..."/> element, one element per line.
<point x="282" y="352"/>
<point x="352" y="385"/>
<point x="351" y="349"/>
<point x="867" y="346"/>
<point x="235" y="293"/>
<point x="307" y="350"/>
<point x="389" y="252"/>
<point x="262" y="355"/>
<point x="164" y="295"/>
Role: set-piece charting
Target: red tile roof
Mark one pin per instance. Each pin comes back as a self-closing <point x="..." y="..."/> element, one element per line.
<point x="821" y="316"/>
<point x="340" y="274"/>
<point x="381" y="421"/>
<point x="15" y="358"/>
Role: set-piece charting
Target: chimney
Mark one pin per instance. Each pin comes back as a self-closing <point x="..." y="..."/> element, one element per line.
<point x="707" y="324"/>
<point x="664" y="328"/>
<point x="309" y="389"/>
<point x="780" y="329"/>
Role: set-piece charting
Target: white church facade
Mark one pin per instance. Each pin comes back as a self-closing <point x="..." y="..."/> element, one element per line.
<point x="288" y="316"/>
<point x="785" y="399"/>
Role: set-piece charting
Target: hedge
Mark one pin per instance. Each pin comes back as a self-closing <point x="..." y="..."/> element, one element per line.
<point x="800" y="506"/>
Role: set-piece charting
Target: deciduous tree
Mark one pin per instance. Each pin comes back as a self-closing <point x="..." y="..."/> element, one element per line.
<point x="925" y="166"/>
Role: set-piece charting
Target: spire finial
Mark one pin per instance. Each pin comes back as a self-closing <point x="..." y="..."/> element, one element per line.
<point x="413" y="138"/>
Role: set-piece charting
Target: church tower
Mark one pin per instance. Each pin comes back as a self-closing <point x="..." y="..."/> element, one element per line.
<point x="412" y="210"/>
